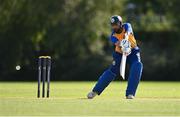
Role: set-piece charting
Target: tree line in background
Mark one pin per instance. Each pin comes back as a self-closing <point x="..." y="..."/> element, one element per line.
<point x="75" y="33"/>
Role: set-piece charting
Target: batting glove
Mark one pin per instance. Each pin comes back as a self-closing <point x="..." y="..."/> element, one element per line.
<point x="125" y="47"/>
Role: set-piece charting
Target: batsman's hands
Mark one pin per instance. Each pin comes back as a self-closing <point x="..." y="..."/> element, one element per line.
<point x="125" y="47"/>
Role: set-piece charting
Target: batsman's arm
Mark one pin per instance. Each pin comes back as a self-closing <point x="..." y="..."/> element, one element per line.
<point x="114" y="40"/>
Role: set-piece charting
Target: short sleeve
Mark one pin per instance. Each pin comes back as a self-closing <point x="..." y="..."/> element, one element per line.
<point x="112" y="38"/>
<point x="128" y="28"/>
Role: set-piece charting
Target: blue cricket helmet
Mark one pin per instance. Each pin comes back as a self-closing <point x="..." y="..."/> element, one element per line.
<point x="116" y="19"/>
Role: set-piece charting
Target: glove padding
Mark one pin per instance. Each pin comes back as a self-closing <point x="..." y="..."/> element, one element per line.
<point x="125" y="47"/>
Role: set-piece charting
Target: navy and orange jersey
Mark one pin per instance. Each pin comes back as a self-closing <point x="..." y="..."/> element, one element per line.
<point x="115" y="37"/>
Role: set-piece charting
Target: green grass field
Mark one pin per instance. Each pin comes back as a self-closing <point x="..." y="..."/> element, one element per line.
<point x="69" y="98"/>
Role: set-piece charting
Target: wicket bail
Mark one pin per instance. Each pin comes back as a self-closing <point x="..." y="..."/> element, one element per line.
<point x="44" y="70"/>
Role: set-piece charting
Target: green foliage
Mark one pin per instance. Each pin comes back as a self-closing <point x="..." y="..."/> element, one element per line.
<point x="153" y="15"/>
<point x="75" y="33"/>
<point x="65" y="29"/>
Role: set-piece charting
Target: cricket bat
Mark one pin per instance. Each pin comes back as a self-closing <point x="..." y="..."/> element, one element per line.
<point x="123" y="62"/>
<point x="123" y="66"/>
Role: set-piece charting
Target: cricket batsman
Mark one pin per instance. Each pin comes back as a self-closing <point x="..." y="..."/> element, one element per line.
<point x="129" y="47"/>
